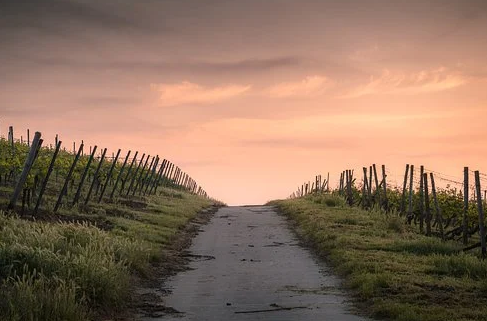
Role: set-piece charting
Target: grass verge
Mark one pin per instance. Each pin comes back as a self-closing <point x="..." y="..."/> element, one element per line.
<point x="393" y="272"/>
<point x="80" y="265"/>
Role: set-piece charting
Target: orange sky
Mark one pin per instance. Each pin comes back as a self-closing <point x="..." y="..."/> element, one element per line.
<point x="253" y="97"/>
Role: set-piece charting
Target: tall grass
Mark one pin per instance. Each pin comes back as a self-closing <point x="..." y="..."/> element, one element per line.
<point x="59" y="271"/>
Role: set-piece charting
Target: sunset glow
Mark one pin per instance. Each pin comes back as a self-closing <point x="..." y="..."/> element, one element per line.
<point x="253" y="97"/>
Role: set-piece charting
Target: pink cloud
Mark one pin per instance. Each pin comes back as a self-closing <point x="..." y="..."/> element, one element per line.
<point x="409" y="84"/>
<point x="311" y="86"/>
<point x="190" y="93"/>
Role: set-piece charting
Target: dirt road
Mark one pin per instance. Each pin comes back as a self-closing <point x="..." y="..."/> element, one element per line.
<point x="247" y="265"/>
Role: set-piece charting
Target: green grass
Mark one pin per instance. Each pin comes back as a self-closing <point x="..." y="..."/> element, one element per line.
<point x="393" y="272"/>
<point x="78" y="271"/>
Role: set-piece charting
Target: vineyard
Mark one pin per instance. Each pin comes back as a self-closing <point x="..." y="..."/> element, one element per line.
<point x="448" y="212"/>
<point x="409" y="251"/>
<point x="48" y="179"/>
<point x="78" y="227"/>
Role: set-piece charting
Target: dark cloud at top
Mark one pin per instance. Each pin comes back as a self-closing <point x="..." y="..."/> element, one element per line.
<point x="99" y="49"/>
<point x="59" y="15"/>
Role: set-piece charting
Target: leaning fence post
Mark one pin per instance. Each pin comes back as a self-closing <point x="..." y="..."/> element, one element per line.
<point x="403" y="197"/>
<point x="481" y="214"/>
<point x="83" y="177"/>
<point x="48" y="174"/>
<point x="365" y="189"/>
<point x="377" y="189"/>
<point x="109" y="175"/>
<point x="124" y="181"/>
<point x="142" y="174"/>
<point x="160" y="179"/>
<point x="66" y="181"/>
<point x="119" y="175"/>
<point x="135" y="173"/>
<point x="29" y="161"/>
<point x="148" y="180"/>
<point x="95" y="175"/>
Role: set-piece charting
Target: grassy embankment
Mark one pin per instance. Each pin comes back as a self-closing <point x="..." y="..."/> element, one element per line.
<point x="393" y="272"/>
<point x="71" y="271"/>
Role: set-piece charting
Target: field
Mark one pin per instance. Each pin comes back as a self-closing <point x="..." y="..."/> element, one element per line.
<point x="393" y="271"/>
<point x="80" y="254"/>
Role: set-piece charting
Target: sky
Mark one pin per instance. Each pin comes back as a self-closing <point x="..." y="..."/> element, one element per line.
<point x="252" y="98"/>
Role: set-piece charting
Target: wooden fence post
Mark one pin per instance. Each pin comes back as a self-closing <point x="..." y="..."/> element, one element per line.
<point x="95" y="176"/>
<point x="481" y="214"/>
<point x="160" y="178"/>
<point x="135" y="174"/>
<point x="176" y="176"/>
<point x="384" y="187"/>
<point x="402" y="208"/>
<point x="377" y="188"/>
<point x="142" y="174"/>
<point x="342" y="178"/>
<point x="427" y="205"/>
<point x="124" y="181"/>
<point x="12" y="143"/>
<point x="410" y="207"/>
<point x="349" y="187"/>
<point x="150" y="176"/>
<point x="168" y="174"/>
<point x="29" y="161"/>
<point x="369" y="191"/>
<point x="83" y="177"/>
<point x="365" y="189"/>
<point x="109" y="175"/>
<point x="68" y="178"/>
<point x="48" y="174"/>
<point x="465" y="206"/>
<point x="119" y="175"/>
<point x="327" y="182"/>
<point x="421" y="200"/>
<point x="439" y="218"/>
